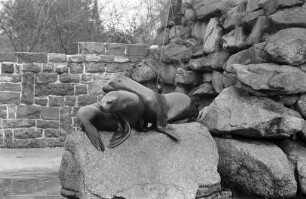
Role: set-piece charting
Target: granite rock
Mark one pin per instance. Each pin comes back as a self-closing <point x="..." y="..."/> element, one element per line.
<point x="236" y="112"/>
<point x="288" y="46"/>
<point x="146" y="165"/>
<point x="254" y="167"/>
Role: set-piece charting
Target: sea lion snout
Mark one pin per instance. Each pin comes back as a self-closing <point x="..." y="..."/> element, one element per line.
<point x="107" y="102"/>
<point x="105" y="105"/>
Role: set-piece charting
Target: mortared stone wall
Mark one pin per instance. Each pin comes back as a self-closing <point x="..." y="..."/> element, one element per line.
<point x="40" y="93"/>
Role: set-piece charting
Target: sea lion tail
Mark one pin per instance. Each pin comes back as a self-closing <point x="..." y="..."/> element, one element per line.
<point x="93" y="136"/>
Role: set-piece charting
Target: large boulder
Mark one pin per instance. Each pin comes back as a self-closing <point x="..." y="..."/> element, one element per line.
<point x="198" y="30"/>
<point x="236" y="112"/>
<point x="209" y="62"/>
<point x="232" y="17"/>
<point x="269" y="6"/>
<point x="301" y="105"/>
<point x="146" y="165"/>
<point x="174" y="53"/>
<point x="144" y="72"/>
<point x="213" y="36"/>
<point x="261" y="25"/>
<point x="271" y="79"/>
<point x="207" y="8"/>
<point x="235" y="40"/>
<point x="217" y="81"/>
<point x="288" y="46"/>
<point x="289" y="3"/>
<point x="162" y="38"/>
<point x="167" y="73"/>
<point x="296" y="153"/>
<point x="253" y="5"/>
<point x="254" y="167"/>
<point x="252" y="55"/>
<point x="187" y="77"/>
<point x="293" y="17"/>
<point x="250" y="18"/>
<point x="205" y="89"/>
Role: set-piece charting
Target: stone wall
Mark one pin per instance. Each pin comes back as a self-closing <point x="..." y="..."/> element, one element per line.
<point x="249" y="58"/>
<point x="212" y="36"/>
<point x="40" y="92"/>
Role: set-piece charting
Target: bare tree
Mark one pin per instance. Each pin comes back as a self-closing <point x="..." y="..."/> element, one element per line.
<point x="25" y="23"/>
<point x="50" y="25"/>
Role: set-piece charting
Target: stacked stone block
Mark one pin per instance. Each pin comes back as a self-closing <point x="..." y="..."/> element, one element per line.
<point x="252" y="51"/>
<point x="40" y="93"/>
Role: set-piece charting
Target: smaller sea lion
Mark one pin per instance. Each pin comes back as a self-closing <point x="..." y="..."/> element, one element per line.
<point x="92" y="119"/>
<point x="131" y="107"/>
<point x="126" y="104"/>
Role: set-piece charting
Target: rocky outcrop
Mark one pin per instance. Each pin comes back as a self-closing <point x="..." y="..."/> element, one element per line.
<point x="205" y="9"/>
<point x="235" y="40"/>
<point x="212" y="36"/>
<point x="296" y="152"/>
<point x="205" y="89"/>
<point x="293" y="17"/>
<point x="210" y="62"/>
<point x="146" y="165"/>
<point x="301" y="105"/>
<point x="173" y="52"/>
<point x="144" y="72"/>
<point x="288" y="46"/>
<point x="252" y="55"/>
<point x="187" y="77"/>
<point x="271" y="79"/>
<point x="253" y="167"/>
<point x="217" y="81"/>
<point x="235" y="112"/>
<point x="257" y="46"/>
<point x="198" y="30"/>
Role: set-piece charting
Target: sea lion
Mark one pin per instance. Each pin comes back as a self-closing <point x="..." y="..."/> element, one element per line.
<point x="154" y="103"/>
<point x="126" y="104"/>
<point x="92" y="119"/>
<point x="176" y="106"/>
<point x="180" y="107"/>
<point x="131" y="107"/>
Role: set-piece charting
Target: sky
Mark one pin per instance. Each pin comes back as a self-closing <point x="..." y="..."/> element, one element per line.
<point x="127" y="9"/>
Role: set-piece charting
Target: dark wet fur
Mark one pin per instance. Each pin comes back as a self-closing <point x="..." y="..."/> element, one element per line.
<point x="92" y="120"/>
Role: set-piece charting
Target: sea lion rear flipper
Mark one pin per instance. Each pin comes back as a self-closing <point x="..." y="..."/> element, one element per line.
<point x="121" y="135"/>
<point x="173" y="135"/>
<point x="93" y="136"/>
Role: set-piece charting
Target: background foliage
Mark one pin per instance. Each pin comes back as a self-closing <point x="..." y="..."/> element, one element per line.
<point x="58" y="25"/>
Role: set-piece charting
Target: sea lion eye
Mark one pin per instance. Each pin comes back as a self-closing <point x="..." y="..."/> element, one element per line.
<point x="119" y="80"/>
<point x="109" y="102"/>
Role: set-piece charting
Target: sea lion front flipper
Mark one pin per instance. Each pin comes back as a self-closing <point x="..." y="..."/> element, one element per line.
<point x="120" y="136"/>
<point x="94" y="136"/>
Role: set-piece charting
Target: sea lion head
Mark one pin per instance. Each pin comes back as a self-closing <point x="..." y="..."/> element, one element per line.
<point x="116" y="83"/>
<point x="109" y="102"/>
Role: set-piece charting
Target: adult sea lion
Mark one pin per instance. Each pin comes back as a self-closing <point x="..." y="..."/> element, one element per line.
<point x="176" y="106"/>
<point x="131" y="107"/>
<point x="92" y="119"/>
<point x="180" y="107"/>
<point x="154" y="103"/>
